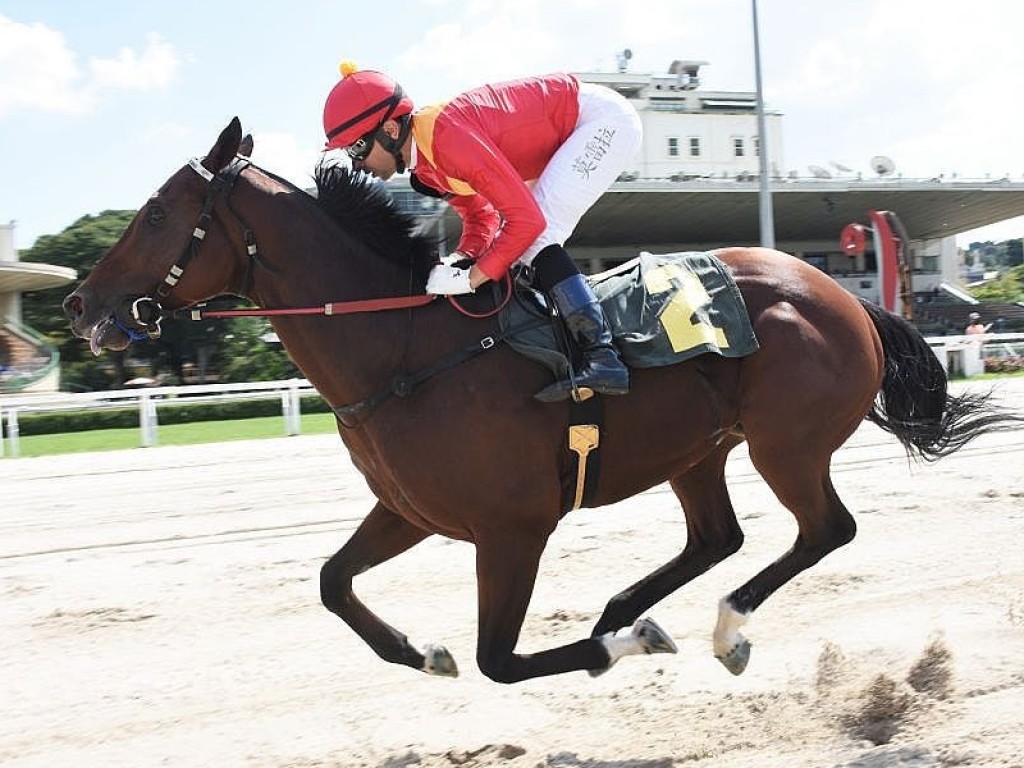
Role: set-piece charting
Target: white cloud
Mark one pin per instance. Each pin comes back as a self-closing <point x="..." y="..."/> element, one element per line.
<point x="930" y="84"/>
<point x="154" y="68"/>
<point x="450" y="46"/>
<point x="39" y="73"/>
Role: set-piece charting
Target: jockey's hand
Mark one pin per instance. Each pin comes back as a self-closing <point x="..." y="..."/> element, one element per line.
<point x="457" y="259"/>
<point x="448" y="280"/>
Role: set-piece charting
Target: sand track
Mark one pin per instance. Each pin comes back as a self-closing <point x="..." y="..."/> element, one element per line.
<point x="160" y="607"/>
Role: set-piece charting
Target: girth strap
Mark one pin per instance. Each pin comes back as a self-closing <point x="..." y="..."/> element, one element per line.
<point x="404" y="384"/>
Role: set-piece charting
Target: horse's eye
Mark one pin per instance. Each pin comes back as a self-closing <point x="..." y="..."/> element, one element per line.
<point x="156" y="215"/>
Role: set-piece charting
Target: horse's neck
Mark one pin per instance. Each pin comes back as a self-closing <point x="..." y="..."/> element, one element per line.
<point x="309" y="262"/>
<point x="346" y="358"/>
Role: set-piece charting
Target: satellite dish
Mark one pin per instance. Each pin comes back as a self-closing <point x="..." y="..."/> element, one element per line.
<point x="623" y="58"/>
<point x="882" y="165"/>
<point x="818" y="172"/>
<point x="840" y="167"/>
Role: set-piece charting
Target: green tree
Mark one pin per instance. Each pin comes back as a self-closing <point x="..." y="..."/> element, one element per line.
<point x="249" y="357"/>
<point x="79" y="246"/>
<point x="232" y="349"/>
<point x="1014" y="253"/>
<point x="1009" y="287"/>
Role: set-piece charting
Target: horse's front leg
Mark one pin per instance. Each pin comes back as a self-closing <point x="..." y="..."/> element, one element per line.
<point x="506" y="566"/>
<point x="381" y="536"/>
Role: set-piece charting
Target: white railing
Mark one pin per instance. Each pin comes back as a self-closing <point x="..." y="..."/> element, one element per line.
<point x="149" y="401"/>
<point x="965" y="355"/>
<point x="960" y="355"/>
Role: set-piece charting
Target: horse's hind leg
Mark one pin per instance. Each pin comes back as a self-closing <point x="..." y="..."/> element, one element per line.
<point x="712" y="534"/>
<point x="824" y="524"/>
<point x="381" y="536"/>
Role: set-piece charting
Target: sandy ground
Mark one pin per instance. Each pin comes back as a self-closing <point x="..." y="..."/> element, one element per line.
<point x="160" y="607"/>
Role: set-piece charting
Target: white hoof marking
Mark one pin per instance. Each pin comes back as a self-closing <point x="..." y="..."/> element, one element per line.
<point x="727" y="636"/>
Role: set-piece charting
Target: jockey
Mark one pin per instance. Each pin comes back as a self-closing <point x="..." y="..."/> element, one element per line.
<point x="520" y="162"/>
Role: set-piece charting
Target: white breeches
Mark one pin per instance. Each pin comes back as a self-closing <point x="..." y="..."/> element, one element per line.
<point x="607" y="138"/>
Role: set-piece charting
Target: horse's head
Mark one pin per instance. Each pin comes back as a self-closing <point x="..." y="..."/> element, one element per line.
<point x="153" y="267"/>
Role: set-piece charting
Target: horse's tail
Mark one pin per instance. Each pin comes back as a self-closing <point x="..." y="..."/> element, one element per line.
<point x="914" y="403"/>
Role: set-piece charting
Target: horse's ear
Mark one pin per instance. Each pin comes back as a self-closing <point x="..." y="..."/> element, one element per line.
<point x="245" y="148"/>
<point x="224" y="151"/>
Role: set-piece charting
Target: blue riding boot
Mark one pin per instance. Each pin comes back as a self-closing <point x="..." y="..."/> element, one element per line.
<point x="602" y="370"/>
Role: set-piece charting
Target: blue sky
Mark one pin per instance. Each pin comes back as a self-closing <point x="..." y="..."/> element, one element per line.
<point x="101" y="101"/>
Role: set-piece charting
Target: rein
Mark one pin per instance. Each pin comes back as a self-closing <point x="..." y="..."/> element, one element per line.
<point x="147" y="312"/>
<point x="330" y="308"/>
<point x="336" y="307"/>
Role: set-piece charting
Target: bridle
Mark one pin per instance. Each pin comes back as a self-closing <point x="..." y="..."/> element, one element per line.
<point x="146" y="311"/>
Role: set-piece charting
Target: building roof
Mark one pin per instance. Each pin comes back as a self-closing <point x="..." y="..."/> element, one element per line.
<point x="709" y="212"/>
<point x="22" y="276"/>
<point x="727" y="212"/>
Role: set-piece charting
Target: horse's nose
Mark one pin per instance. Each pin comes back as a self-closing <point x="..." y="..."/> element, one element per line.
<point x="73" y="306"/>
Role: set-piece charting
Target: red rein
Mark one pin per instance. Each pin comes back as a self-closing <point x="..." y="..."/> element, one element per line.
<point x="344" y="307"/>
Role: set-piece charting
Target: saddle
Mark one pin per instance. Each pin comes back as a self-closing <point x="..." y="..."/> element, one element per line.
<point x="662" y="310"/>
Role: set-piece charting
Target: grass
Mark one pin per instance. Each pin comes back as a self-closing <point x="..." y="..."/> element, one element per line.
<point x="171" y="434"/>
<point x="999" y="375"/>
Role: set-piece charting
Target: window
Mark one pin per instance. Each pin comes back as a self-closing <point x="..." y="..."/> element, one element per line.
<point x="673" y="146"/>
<point x="737" y="146"/>
<point x="755" y="143"/>
<point x="695" y="146"/>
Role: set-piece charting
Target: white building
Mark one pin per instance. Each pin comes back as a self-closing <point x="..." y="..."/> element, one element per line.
<point x="691" y="133"/>
<point x="27" y="361"/>
<point x="695" y="186"/>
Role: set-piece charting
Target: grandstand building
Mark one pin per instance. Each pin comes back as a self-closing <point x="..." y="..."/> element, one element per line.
<point x="27" y="361"/>
<point x="695" y="186"/>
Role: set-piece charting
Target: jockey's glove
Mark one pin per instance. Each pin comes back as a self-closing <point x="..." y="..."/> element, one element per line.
<point x="457" y="259"/>
<point x="448" y="280"/>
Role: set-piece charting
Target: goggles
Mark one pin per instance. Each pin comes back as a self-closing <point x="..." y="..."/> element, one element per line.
<point x="360" y="149"/>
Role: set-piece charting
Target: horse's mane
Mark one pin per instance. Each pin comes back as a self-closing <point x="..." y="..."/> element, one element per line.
<point x="367" y="213"/>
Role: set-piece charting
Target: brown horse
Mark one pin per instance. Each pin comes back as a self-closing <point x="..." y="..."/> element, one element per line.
<point x="471" y="455"/>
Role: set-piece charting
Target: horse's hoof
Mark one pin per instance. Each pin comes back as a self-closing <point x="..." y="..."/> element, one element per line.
<point x="645" y="637"/>
<point x="736" y="659"/>
<point x="652" y="638"/>
<point x="437" y="661"/>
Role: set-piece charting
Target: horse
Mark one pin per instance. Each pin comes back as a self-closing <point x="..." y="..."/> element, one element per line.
<point x="469" y="453"/>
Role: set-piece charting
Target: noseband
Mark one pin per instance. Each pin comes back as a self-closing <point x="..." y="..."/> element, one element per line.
<point x="146" y="311"/>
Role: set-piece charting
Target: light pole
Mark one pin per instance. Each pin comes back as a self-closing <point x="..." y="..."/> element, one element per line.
<point x="765" y="192"/>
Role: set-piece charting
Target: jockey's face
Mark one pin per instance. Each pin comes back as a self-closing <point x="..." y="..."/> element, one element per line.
<point x="379" y="163"/>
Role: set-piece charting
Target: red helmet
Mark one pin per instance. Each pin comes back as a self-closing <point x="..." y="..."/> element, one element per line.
<point x="360" y="103"/>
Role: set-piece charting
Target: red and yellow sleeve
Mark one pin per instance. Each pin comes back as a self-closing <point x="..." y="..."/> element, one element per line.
<point x="506" y="200"/>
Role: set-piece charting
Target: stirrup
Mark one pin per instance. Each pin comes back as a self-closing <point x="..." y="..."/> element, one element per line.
<point x="579" y="390"/>
<point x="563" y="390"/>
